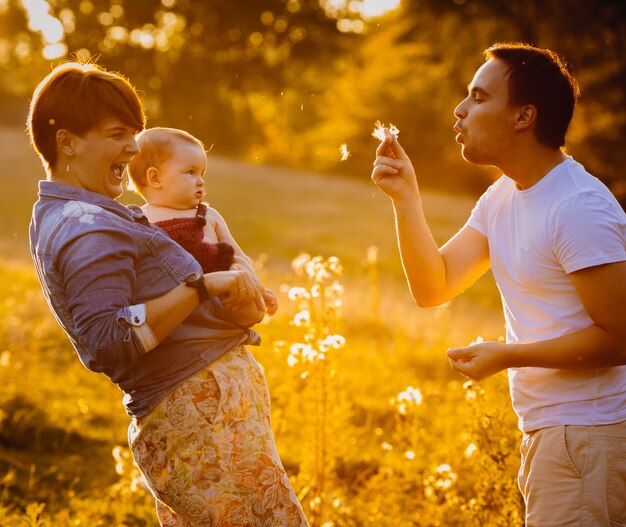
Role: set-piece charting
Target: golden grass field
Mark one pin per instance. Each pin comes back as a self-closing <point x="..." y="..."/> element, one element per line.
<point x="376" y="432"/>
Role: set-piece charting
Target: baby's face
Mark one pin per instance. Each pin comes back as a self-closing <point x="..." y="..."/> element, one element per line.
<point x="182" y="176"/>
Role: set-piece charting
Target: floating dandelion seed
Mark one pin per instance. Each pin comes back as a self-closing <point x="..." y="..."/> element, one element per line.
<point x="345" y="153"/>
<point x="477" y="340"/>
<point x="379" y="130"/>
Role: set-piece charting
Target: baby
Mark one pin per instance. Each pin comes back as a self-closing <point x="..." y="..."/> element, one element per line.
<point x="169" y="174"/>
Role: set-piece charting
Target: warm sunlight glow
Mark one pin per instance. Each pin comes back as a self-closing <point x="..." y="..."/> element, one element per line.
<point x="41" y="22"/>
<point x="54" y="51"/>
<point x="374" y="8"/>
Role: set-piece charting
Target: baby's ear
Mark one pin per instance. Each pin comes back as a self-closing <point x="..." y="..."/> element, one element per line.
<point x="153" y="178"/>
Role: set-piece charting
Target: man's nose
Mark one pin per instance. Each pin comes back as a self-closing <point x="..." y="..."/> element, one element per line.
<point x="459" y="111"/>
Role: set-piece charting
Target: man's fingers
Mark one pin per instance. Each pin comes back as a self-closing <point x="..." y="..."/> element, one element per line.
<point x="390" y="161"/>
<point x="385" y="146"/>
<point x="397" y="149"/>
<point x="459" y="353"/>
<point x="381" y="171"/>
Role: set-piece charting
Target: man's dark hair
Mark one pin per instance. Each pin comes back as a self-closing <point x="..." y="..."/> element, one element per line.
<point x="538" y="76"/>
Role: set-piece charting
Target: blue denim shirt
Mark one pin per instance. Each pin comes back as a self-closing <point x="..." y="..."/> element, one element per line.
<point x="98" y="263"/>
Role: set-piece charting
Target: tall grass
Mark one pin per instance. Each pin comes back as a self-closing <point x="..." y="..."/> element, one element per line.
<point x="372" y="425"/>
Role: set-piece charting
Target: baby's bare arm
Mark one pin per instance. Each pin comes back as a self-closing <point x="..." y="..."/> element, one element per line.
<point x="222" y="232"/>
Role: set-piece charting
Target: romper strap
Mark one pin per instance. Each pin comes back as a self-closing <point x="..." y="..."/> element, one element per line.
<point x="201" y="214"/>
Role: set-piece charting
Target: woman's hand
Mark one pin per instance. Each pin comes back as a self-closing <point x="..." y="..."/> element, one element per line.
<point x="235" y="287"/>
<point x="270" y="301"/>
<point x="393" y="172"/>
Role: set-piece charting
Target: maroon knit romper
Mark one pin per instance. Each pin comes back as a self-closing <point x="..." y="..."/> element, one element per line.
<point x="189" y="232"/>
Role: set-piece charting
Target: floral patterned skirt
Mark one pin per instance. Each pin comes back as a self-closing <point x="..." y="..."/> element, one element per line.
<point x="208" y="454"/>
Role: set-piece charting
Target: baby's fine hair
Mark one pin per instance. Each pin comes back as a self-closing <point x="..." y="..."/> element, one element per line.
<point x="156" y="145"/>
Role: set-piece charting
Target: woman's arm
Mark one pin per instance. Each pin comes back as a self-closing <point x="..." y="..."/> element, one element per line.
<point x="98" y="274"/>
<point x="165" y="313"/>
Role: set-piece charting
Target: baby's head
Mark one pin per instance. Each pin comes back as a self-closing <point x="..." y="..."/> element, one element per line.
<point x="169" y="169"/>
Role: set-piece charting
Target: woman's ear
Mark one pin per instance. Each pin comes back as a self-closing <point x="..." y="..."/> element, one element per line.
<point x="153" y="178"/>
<point x="525" y="117"/>
<point x="65" y="141"/>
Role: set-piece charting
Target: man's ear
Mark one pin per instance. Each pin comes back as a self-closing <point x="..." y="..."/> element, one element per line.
<point x="153" y="177"/>
<point x="65" y="141"/>
<point x="526" y="116"/>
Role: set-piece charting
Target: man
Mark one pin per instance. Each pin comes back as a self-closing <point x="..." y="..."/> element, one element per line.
<point x="554" y="237"/>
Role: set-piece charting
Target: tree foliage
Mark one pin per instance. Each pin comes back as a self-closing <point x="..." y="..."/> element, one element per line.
<point x="287" y="81"/>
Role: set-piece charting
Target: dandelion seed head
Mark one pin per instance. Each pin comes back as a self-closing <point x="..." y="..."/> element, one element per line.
<point x="471" y="448"/>
<point x="407" y="399"/>
<point x="470" y="395"/>
<point x="292" y="360"/>
<point x="336" y="288"/>
<point x="297" y="293"/>
<point x="379" y="132"/>
<point x="299" y="263"/>
<point x="443" y="468"/>
<point x="337" y="341"/>
<point x="303" y="318"/>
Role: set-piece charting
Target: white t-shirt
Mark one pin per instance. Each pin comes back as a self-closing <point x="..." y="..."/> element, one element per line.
<point x="568" y="221"/>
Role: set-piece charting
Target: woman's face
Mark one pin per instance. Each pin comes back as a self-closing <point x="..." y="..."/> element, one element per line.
<point x="100" y="156"/>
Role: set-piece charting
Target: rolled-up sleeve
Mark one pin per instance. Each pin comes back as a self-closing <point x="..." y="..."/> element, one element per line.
<point x="135" y="319"/>
<point x="97" y="268"/>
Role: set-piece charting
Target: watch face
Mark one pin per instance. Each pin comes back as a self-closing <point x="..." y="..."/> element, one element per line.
<point x="194" y="277"/>
<point x="196" y="280"/>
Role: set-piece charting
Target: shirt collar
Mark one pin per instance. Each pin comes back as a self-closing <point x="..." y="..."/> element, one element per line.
<point x="56" y="190"/>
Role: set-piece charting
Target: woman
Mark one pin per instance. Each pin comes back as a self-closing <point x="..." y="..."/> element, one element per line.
<point x="137" y="308"/>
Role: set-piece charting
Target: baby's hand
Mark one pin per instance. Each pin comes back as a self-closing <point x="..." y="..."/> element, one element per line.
<point x="271" y="302"/>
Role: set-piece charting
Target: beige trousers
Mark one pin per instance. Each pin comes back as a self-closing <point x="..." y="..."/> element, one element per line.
<point x="574" y="476"/>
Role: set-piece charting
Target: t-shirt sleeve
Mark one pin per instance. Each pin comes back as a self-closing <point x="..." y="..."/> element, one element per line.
<point x="590" y="229"/>
<point x="478" y="216"/>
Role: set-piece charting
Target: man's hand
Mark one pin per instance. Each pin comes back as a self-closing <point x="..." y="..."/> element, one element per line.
<point x="393" y="172"/>
<point x="479" y="361"/>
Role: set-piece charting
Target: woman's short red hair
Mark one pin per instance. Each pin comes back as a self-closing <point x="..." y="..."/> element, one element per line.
<point x="76" y="97"/>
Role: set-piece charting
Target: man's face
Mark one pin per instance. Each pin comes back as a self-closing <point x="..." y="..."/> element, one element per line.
<point x="485" y="120"/>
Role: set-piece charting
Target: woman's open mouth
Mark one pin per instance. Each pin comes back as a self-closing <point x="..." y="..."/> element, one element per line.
<point x="118" y="170"/>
